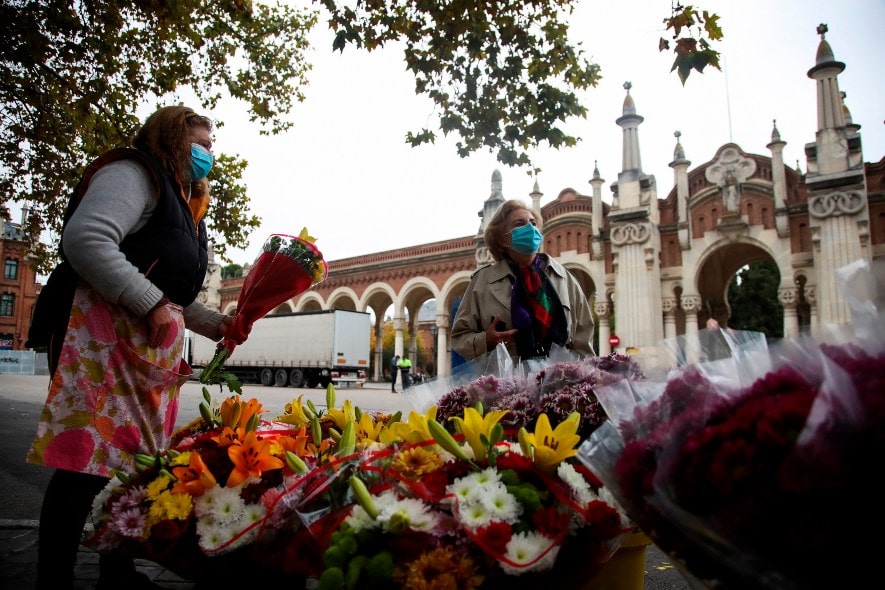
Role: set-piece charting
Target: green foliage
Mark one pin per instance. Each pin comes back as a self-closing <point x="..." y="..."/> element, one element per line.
<point x="692" y="33"/>
<point x="231" y="270"/>
<point x="503" y="75"/>
<point x="752" y="296"/>
<point x="74" y="75"/>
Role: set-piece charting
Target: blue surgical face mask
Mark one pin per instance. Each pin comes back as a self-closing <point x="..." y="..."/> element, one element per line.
<point x="201" y="162"/>
<point x="525" y="239"/>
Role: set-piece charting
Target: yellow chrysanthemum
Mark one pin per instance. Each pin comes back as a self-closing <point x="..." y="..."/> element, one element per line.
<point x="169" y="506"/>
<point x="180" y="459"/>
<point x="158" y="486"/>
<point x="416" y="461"/>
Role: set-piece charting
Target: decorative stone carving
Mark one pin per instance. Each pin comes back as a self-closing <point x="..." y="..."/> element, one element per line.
<point x="810" y="296"/>
<point x="668" y="304"/>
<point x="729" y="172"/>
<point x="788" y="296"/>
<point x="602" y="308"/>
<point x="630" y="233"/>
<point x="691" y="303"/>
<point x="483" y="256"/>
<point x="836" y="204"/>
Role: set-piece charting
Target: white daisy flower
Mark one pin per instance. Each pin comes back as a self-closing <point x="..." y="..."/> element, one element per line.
<point x="524" y="548"/>
<point x="229" y="506"/>
<point x="474" y="515"/>
<point x="211" y="535"/>
<point x="359" y="519"/>
<point x="500" y="503"/>
<point x="409" y="511"/>
<point x="581" y="490"/>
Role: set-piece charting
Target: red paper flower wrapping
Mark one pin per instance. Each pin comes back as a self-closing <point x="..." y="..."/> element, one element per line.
<point x="286" y="267"/>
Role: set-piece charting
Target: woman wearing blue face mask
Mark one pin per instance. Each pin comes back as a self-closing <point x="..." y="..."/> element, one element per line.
<point x="526" y="300"/>
<point x="112" y="316"/>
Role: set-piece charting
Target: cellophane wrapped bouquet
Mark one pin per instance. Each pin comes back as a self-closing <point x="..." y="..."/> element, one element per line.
<point x="479" y="487"/>
<point x="756" y="469"/>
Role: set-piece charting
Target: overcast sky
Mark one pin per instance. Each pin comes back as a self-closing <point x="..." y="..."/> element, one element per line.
<point x="345" y="172"/>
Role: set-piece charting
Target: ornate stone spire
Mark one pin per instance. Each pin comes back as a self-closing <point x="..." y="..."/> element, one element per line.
<point x="826" y="71"/>
<point x="629" y="121"/>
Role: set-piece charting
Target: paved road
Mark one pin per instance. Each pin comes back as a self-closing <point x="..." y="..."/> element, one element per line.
<point x="21" y="400"/>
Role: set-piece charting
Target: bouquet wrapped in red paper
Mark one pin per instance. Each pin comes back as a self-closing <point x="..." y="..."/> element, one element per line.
<point x="286" y="267"/>
<point x="760" y="476"/>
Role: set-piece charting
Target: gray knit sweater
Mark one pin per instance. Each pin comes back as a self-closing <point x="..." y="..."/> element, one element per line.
<point x="119" y="201"/>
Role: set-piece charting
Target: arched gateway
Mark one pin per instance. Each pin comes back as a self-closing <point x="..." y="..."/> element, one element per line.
<point x="654" y="267"/>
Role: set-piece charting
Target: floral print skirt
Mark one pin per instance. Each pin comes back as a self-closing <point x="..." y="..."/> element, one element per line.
<point x="112" y="395"/>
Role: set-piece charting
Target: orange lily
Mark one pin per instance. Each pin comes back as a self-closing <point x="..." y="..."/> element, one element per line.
<point x="296" y="443"/>
<point x="251" y="458"/>
<point x="193" y="478"/>
<point x="228" y="436"/>
<point x="237" y="414"/>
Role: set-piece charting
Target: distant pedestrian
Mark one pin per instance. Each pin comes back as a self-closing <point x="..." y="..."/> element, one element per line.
<point x="394" y="367"/>
<point x="405" y="367"/>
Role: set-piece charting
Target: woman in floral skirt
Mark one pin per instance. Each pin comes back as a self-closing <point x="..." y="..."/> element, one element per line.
<point x="134" y="257"/>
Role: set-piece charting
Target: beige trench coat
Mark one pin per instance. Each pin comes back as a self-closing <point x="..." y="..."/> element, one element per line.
<point x="488" y="295"/>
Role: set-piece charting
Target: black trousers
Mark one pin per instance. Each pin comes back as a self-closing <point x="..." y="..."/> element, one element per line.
<point x="66" y="506"/>
<point x="393" y="379"/>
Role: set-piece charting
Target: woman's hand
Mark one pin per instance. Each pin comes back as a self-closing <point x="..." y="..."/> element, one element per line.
<point x="495" y="337"/>
<point x="225" y="324"/>
<point x="159" y="321"/>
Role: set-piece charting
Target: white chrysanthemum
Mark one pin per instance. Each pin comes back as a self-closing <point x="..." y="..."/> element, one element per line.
<point x="204" y="504"/>
<point x="112" y="487"/>
<point x="254" y="513"/>
<point x="359" y="519"/>
<point x="212" y="536"/>
<point x="474" y="515"/>
<point x="500" y="504"/>
<point x="487" y="476"/>
<point x="229" y="506"/>
<point x="524" y="549"/>
<point x="581" y="490"/>
<point x="412" y="511"/>
<point x="465" y="489"/>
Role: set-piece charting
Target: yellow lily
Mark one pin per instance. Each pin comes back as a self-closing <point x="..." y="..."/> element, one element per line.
<point x="416" y="429"/>
<point x="474" y="425"/>
<point x="343" y="416"/>
<point x="367" y="430"/>
<point x="295" y="413"/>
<point x="551" y="447"/>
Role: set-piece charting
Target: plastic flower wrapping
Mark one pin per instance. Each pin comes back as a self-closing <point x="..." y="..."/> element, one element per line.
<point x="287" y="266"/>
<point x="755" y="469"/>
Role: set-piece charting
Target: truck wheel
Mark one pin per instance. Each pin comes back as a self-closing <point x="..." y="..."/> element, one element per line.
<point x="266" y="377"/>
<point x="296" y="378"/>
<point x="281" y="378"/>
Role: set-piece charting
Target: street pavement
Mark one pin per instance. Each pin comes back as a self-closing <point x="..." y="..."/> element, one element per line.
<point x="22" y="484"/>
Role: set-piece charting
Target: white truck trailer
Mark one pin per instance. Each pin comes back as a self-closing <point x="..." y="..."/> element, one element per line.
<point x="298" y="350"/>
